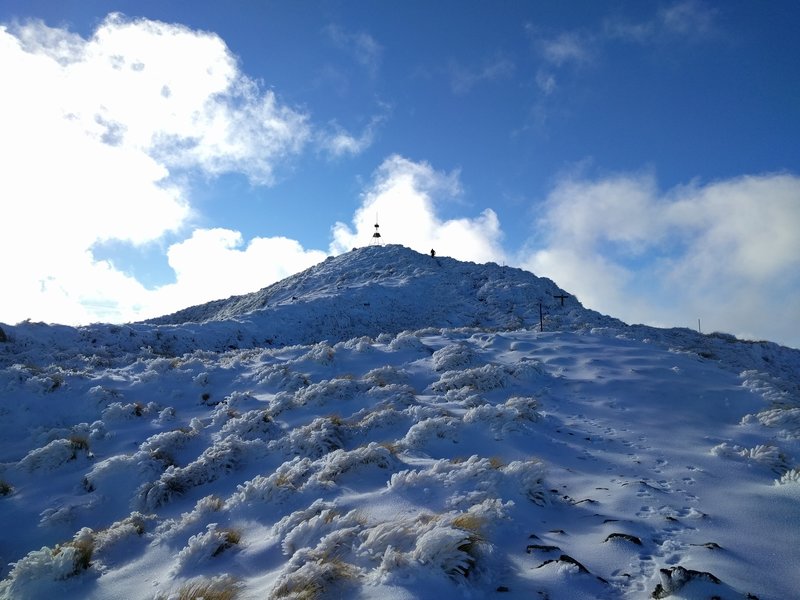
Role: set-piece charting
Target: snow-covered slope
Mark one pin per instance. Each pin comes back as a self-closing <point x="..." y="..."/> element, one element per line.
<point x="389" y="425"/>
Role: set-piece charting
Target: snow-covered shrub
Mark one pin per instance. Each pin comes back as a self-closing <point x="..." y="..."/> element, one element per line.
<point x="132" y="525"/>
<point x="785" y="419"/>
<point x="465" y="397"/>
<point x="527" y="477"/>
<point x="240" y="401"/>
<point x="386" y="375"/>
<point x="453" y="357"/>
<point x="313" y="440"/>
<point x="203" y="508"/>
<point x="472" y="481"/>
<point x="766" y="386"/>
<point x="408" y="340"/>
<point x="165" y="416"/>
<point x="81" y="431"/>
<point x="165" y="445"/>
<point x="790" y="476"/>
<point x="204" y="546"/>
<point x="293" y="519"/>
<point x="395" y="395"/>
<point x="321" y="353"/>
<point x="339" y="462"/>
<point x="446" y="549"/>
<point x="314" y="576"/>
<point x="420" y="434"/>
<point x="49" y="564"/>
<point x="254" y="424"/>
<point x="359" y="344"/>
<point x="281" y="377"/>
<point x="479" y="379"/>
<point x="451" y="544"/>
<point x="104" y="394"/>
<point x="380" y="418"/>
<point x="514" y="414"/>
<point x="96" y="431"/>
<point x="398" y="536"/>
<point x="316" y="531"/>
<point x="527" y="370"/>
<point x="330" y="391"/>
<point x="281" y="402"/>
<point x="287" y="478"/>
<point x="109" y="474"/>
<point x="45" y="383"/>
<point x="445" y="473"/>
<point x="54" y="454"/>
<point x="117" y="411"/>
<point x="216" y="460"/>
<point x="161" y="365"/>
<point x="769" y="456"/>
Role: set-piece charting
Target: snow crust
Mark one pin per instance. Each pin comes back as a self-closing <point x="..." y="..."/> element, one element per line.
<point x="390" y="425"/>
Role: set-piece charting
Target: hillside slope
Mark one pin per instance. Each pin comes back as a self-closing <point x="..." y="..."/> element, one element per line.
<point x="388" y="425"/>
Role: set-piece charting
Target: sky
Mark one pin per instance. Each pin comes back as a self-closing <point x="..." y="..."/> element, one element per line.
<point x="643" y="155"/>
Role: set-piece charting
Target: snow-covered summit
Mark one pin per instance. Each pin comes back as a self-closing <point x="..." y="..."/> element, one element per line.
<point x="386" y="289"/>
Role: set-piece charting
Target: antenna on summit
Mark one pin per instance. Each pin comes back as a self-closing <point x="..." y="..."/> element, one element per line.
<point x="376" y="237"/>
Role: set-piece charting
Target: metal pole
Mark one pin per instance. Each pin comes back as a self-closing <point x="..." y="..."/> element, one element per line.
<point x="541" y="318"/>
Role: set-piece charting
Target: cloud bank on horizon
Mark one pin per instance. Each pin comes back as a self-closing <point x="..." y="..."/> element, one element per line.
<point x="104" y="135"/>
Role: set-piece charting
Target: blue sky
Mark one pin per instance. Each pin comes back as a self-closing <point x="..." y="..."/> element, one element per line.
<point x="644" y="155"/>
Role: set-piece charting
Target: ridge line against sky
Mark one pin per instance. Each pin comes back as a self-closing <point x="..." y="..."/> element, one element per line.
<point x="643" y="156"/>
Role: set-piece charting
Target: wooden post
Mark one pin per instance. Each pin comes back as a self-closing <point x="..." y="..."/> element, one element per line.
<point x="541" y="318"/>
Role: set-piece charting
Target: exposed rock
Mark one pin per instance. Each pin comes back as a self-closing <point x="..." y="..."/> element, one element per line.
<point x="623" y="536"/>
<point x="673" y="579"/>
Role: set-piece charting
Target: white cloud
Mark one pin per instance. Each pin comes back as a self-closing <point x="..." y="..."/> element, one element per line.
<point x="546" y="81"/>
<point x="96" y="134"/>
<point x="364" y="49"/>
<point x="567" y="47"/>
<point x="404" y="196"/>
<point x="338" y="142"/>
<point x="685" y="20"/>
<point x="689" y="18"/>
<point x="726" y="252"/>
<point x="216" y="263"/>
<point x="463" y="79"/>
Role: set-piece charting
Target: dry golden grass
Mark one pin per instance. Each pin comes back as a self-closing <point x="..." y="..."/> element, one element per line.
<point x="496" y="462"/>
<point x="226" y="589"/>
<point x="469" y="522"/>
<point x="230" y="537"/>
<point x="300" y="586"/>
<point x="84" y="549"/>
<point x="79" y="442"/>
